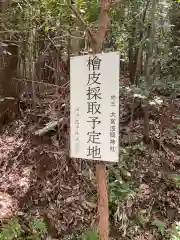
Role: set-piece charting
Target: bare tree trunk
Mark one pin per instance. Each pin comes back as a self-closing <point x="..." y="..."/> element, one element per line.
<point x="141" y="43"/>
<point x="146" y="123"/>
<point x="148" y="70"/>
<point x="76" y="41"/>
<point x="132" y="54"/>
<point x="31" y="62"/>
<point x="8" y="88"/>
<point x="97" y="40"/>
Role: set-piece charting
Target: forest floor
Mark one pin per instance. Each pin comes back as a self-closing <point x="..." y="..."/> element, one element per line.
<point x="39" y="179"/>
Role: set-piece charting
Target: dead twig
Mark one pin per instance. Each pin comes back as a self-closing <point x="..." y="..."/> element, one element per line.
<point x="81" y="20"/>
<point x="50" y="126"/>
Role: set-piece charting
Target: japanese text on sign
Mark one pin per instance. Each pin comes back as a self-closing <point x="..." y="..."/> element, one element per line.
<point x="94" y="107"/>
<point x="95" y="93"/>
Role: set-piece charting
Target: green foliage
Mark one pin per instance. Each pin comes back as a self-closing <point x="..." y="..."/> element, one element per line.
<point x="175" y="232"/>
<point x="89" y="235"/>
<point x="11" y="230"/>
<point x="175" y="178"/>
<point x="160" y="226"/>
<point x="89" y="10"/>
<point x="14" y="230"/>
<point x="39" y="229"/>
<point x="141" y="218"/>
<point x="131" y="151"/>
<point x="143" y="90"/>
<point x="119" y="190"/>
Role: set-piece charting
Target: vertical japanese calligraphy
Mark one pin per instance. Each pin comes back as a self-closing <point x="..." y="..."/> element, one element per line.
<point x="94" y="107"/>
<point x="113" y="125"/>
<point x="93" y="93"/>
<point x="112" y="131"/>
<point x="77" y="124"/>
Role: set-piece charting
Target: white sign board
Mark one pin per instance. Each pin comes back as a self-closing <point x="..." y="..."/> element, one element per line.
<point x="94" y="99"/>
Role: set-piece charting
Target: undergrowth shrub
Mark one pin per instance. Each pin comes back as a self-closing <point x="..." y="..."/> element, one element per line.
<point x="89" y="235"/>
<point x="14" y="230"/>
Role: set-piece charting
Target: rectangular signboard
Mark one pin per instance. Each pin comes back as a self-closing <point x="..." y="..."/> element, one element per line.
<point x="94" y="100"/>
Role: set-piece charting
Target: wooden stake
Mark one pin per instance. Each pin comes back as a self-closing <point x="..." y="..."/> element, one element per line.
<point x="103" y="227"/>
<point x="101" y="181"/>
<point x="97" y="42"/>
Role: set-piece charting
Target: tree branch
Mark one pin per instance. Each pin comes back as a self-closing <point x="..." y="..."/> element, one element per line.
<point x="103" y="23"/>
<point x="81" y="20"/>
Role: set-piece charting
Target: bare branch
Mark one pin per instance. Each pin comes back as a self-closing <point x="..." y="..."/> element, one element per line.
<point x="81" y="20"/>
<point x="50" y="126"/>
<point x="103" y="23"/>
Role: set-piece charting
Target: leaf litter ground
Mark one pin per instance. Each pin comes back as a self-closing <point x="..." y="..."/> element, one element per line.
<point x="37" y="175"/>
<point x="39" y="179"/>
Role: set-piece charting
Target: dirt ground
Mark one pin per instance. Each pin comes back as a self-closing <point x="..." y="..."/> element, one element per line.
<point x="39" y="179"/>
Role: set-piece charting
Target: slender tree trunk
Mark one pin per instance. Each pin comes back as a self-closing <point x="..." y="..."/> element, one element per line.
<point x="97" y="40"/>
<point x="139" y="60"/>
<point x="8" y="88"/>
<point x="132" y="54"/>
<point x="148" y="70"/>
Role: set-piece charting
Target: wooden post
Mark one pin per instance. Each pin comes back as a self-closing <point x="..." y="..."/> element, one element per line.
<point x="101" y="180"/>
